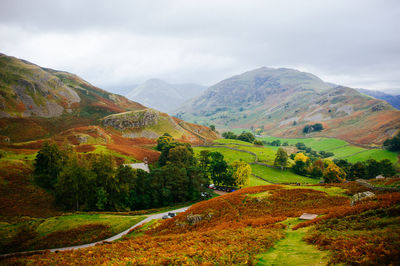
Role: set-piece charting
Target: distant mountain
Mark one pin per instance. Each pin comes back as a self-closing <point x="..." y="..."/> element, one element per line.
<point x="164" y="96"/>
<point x="394" y="100"/>
<point x="283" y="101"/>
<point x="37" y="102"/>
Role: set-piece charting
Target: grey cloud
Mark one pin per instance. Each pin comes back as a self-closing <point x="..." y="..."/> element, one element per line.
<point x="117" y="43"/>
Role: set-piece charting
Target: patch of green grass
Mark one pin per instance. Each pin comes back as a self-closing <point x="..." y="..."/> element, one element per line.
<point x="229" y="155"/>
<point x="374" y="154"/>
<point x="278" y="176"/>
<point x="9" y="155"/>
<point x="292" y="250"/>
<point x="331" y="191"/>
<point x="340" y="148"/>
<point x="264" y="154"/>
<point x="227" y="141"/>
<point x="318" y="144"/>
<point x="254" y="181"/>
<point x="118" y="223"/>
<point x="103" y="149"/>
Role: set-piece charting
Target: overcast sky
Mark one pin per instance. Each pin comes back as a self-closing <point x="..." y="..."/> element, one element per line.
<point x="115" y="44"/>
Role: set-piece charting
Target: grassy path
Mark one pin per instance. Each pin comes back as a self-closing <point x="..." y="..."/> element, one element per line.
<point x="292" y="250"/>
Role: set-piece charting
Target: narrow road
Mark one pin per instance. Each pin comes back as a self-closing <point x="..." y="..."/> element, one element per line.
<point x="118" y="236"/>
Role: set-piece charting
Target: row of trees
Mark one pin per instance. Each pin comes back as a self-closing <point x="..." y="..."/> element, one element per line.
<point x="95" y="182"/>
<point x="244" y="136"/>
<point x="336" y="170"/>
<point x="340" y="170"/>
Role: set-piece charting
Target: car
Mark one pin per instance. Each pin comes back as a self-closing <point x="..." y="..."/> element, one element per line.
<point x="171" y="214"/>
<point x="166" y="217"/>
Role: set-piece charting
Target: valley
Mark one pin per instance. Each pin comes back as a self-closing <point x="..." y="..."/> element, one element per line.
<point x="65" y="179"/>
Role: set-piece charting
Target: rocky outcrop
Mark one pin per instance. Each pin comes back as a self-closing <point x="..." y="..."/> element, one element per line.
<point x="361" y="196"/>
<point x="132" y="120"/>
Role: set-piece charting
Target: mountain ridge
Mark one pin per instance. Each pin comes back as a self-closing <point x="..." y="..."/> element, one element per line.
<point x="282" y="101"/>
<point x="49" y="102"/>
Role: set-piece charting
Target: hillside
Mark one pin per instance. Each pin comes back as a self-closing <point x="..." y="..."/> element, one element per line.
<point x="282" y="101"/>
<point x="258" y="224"/>
<point x="38" y="103"/>
<point x="393" y="100"/>
<point x="164" y="96"/>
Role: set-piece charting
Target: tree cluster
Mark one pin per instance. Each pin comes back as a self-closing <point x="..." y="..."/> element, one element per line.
<point x="96" y="183"/>
<point x="341" y="170"/>
<point x="312" y="153"/>
<point x="393" y="144"/>
<point x="313" y="128"/>
<point x="244" y="136"/>
<point x="221" y="173"/>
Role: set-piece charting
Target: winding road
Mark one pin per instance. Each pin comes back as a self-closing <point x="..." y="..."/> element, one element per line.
<point x="118" y="236"/>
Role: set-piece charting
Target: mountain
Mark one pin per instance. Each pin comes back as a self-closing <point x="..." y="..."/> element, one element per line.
<point x="164" y="96"/>
<point x="37" y="102"/>
<point x="394" y="100"/>
<point x="283" y="101"/>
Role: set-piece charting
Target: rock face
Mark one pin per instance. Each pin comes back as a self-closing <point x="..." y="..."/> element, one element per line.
<point x="361" y="196"/>
<point x="132" y="120"/>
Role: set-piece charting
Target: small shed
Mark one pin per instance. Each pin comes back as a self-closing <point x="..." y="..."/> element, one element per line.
<point x="380" y="177"/>
<point x="308" y="216"/>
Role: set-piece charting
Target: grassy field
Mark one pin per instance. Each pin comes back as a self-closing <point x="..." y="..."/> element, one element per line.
<point x="66" y="230"/>
<point x="340" y="148"/>
<point x="254" y="181"/>
<point x="278" y="176"/>
<point x="229" y="155"/>
<point x="103" y="149"/>
<point x="264" y="153"/>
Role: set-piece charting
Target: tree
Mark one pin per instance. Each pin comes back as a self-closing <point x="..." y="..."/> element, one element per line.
<point x="357" y="170"/>
<point x="241" y="173"/>
<point x="246" y="136"/>
<point x="181" y="156"/>
<point x="393" y="144"/>
<point x="212" y="127"/>
<point x="301" y="162"/>
<point x="317" y="169"/>
<point x="164" y="141"/>
<point x="258" y="143"/>
<point x="220" y="172"/>
<point x="373" y="168"/>
<point x="73" y="186"/>
<point x="387" y="168"/>
<point x="281" y="158"/>
<point x="334" y="174"/>
<point x="48" y="165"/>
<point x="229" y="135"/>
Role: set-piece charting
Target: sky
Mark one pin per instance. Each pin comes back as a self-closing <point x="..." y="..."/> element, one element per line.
<point x="117" y="44"/>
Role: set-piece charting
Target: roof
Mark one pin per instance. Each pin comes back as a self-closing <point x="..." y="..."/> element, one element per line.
<point x="308" y="216"/>
<point x="142" y="166"/>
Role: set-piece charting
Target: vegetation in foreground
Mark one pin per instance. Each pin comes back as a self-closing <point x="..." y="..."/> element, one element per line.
<point x="234" y="228"/>
<point x="22" y="234"/>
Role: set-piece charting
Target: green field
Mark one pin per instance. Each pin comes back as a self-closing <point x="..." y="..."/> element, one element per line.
<point x="278" y="176"/>
<point x="254" y="181"/>
<point x="58" y="231"/>
<point x="341" y="149"/>
<point x="229" y="155"/>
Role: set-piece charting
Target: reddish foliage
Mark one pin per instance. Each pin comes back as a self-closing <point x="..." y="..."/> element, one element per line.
<point x="85" y="148"/>
<point x="19" y="196"/>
